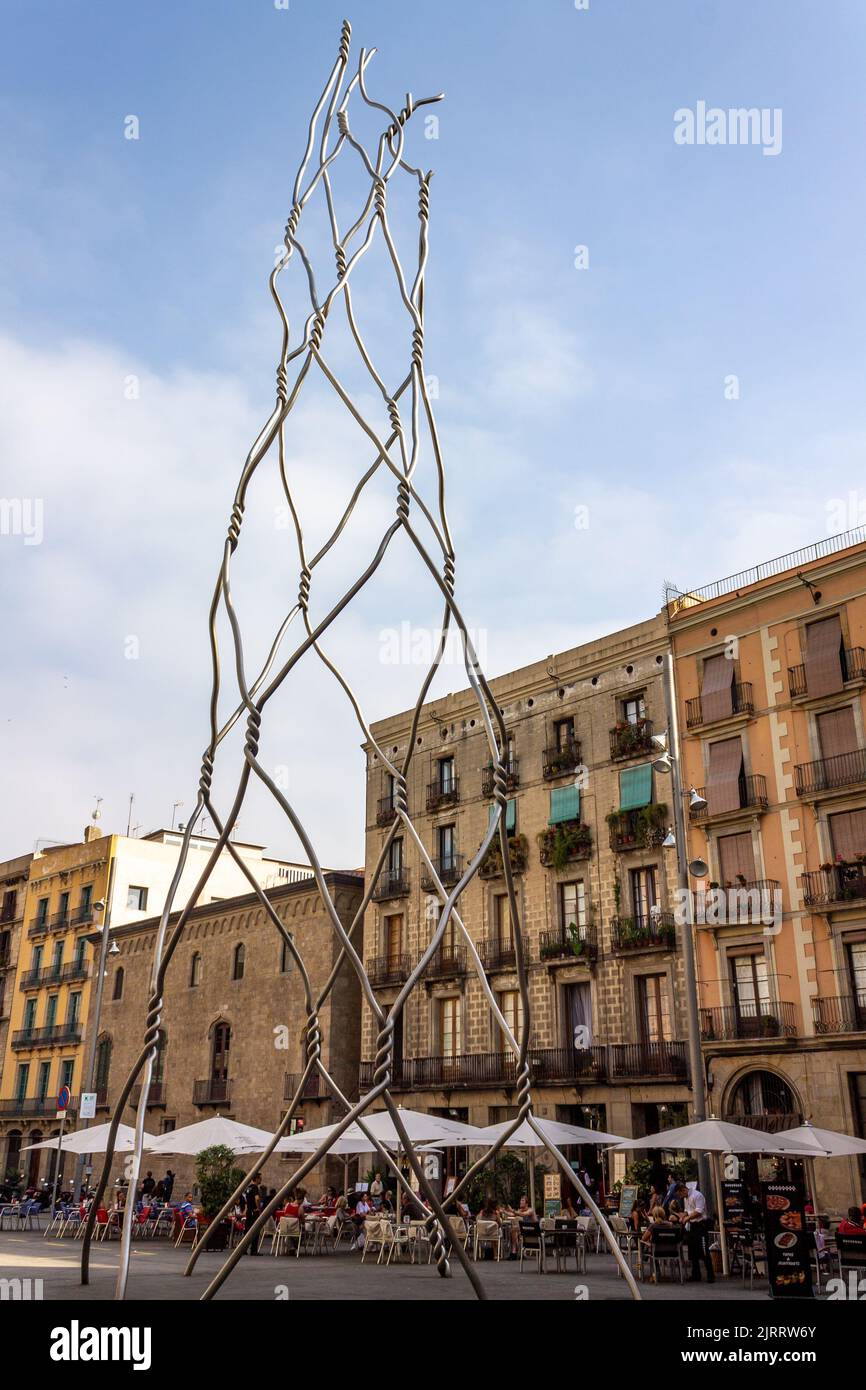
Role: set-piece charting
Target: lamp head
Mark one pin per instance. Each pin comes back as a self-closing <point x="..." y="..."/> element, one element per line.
<point x="696" y="801"/>
<point x="663" y="763"/>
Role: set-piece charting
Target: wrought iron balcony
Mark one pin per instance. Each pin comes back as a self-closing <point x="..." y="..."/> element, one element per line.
<point x="5" y="960"/>
<point x="649" y="1061"/>
<point x="841" y="1013"/>
<point x="826" y="774"/>
<point x="386" y="810"/>
<point x="762" y="1018"/>
<point x="576" y="947"/>
<point x="468" y="1069"/>
<point x="82" y="916"/>
<point x="498" y="953"/>
<point x="753" y="900"/>
<point x="388" y="970"/>
<point x="366" y="1072"/>
<point x="491" y="865"/>
<point x="59" y="921"/>
<point x="512" y="777"/>
<point x="156" y="1094"/>
<point x="212" y="1091"/>
<point x="644" y="828"/>
<point x="628" y="740"/>
<point x="560" y="760"/>
<point x="443" y="793"/>
<point x="569" y="1064"/>
<point x="35" y="1106"/>
<point x="54" y="975"/>
<point x="834" y="884"/>
<point x="54" y="1035"/>
<point x="449" y="868"/>
<point x="445" y="963"/>
<point x="314" y="1087"/>
<point x="38" y="927"/>
<point x="741" y="703"/>
<point x="853" y="661"/>
<point x="565" y="843"/>
<point x="656" y="932"/>
<point x="753" y="793"/>
<point x="391" y="883"/>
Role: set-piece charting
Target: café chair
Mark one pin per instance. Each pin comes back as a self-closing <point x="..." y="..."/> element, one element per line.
<point x="531" y="1244"/>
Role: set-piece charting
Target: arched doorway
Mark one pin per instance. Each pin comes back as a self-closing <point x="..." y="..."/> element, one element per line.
<point x="13" y="1156"/>
<point x="765" y="1100"/>
<point x="35" y="1157"/>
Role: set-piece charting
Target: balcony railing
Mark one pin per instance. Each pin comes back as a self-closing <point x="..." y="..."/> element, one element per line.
<point x="445" y="963"/>
<point x="837" y="883"/>
<point x="825" y="774"/>
<point x="498" y="953"/>
<point x="441" y="793"/>
<point x="36" y="1105"/>
<point x="643" y="933"/>
<point x="212" y="1091"/>
<point x="391" y="883"/>
<point x="468" y="1069"/>
<point x="449" y="869"/>
<point x="841" y="1013"/>
<point x="512" y="777"/>
<point x="558" y="761"/>
<point x="853" y="662"/>
<point x="5" y="960"/>
<point x="741" y="703"/>
<point x="53" y="1035"/>
<point x="568" y="1064"/>
<point x="156" y="1094"/>
<point x="54" y="975"/>
<point x="59" y="921"/>
<point x="314" y="1088"/>
<point x="388" y="970"/>
<point x="641" y="829"/>
<point x="644" y="1061"/>
<point x="38" y="927"/>
<point x="565" y="842"/>
<point x="579" y="946"/>
<point x="753" y="900"/>
<point x="386" y="810"/>
<point x="753" y="793"/>
<point x="82" y="916"/>
<point x="629" y="740"/>
<point x="761" y="1019"/>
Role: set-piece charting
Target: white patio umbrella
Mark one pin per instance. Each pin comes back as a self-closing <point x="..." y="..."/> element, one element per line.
<point x="191" y="1139"/>
<point x="823" y="1143"/>
<point x="719" y="1137"/>
<point x="94" y="1141"/>
<point x="525" y="1137"/>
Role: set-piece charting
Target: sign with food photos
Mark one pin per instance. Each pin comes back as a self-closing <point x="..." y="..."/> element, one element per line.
<point x="789" y="1243"/>
<point x="735" y="1202"/>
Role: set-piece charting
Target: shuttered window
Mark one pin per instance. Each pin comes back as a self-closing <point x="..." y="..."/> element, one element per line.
<point x="564" y="805"/>
<point x="635" y="787"/>
<point x="723" y="778"/>
<point x="837" y="732"/>
<point x="717" y="688"/>
<point x="510" y="815"/>
<point x="736" y="856"/>
<point x="848" y="833"/>
<point x="824" y="656"/>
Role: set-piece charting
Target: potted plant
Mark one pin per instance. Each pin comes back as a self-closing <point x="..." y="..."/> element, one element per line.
<point x="217" y="1178"/>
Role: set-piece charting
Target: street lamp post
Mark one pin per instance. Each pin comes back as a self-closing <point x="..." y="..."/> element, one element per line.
<point x="696" y="1062"/>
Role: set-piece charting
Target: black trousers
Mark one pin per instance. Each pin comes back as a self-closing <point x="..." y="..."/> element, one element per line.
<point x="696" y="1242"/>
<point x="253" y="1247"/>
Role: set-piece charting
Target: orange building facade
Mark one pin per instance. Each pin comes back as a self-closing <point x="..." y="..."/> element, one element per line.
<point x="771" y="689"/>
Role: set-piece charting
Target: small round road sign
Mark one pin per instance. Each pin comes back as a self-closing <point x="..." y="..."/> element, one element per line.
<point x="63" y="1097"/>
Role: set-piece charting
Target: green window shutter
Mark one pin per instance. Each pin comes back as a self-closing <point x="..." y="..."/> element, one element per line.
<point x="510" y="815"/>
<point x="564" y="805"/>
<point x="635" y="787"/>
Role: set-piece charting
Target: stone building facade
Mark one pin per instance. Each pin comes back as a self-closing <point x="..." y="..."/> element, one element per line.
<point x="13" y="892"/>
<point x="234" y="1016"/>
<point x="594" y="887"/>
<point x="771" y="677"/>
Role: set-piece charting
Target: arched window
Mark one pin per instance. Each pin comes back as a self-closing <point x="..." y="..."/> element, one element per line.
<point x="103" y="1067"/>
<point x="158" y="1070"/>
<point x="218" y="1086"/>
<point x="238" y="965"/>
<point x="33" y="1170"/>
<point x="13" y="1155"/>
<point x="195" y="970"/>
<point x="763" y="1100"/>
<point x="117" y="992"/>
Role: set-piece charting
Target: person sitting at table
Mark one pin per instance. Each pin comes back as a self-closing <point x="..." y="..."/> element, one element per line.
<point x="377" y="1188"/>
<point x="567" y="1208"/>
<point x="639" y="1216"/>
<point x="462" y="1210"/>
<point x="340" y="1213"/>
<point x="295" y="1204"/>
<point x="852" y="1224"/>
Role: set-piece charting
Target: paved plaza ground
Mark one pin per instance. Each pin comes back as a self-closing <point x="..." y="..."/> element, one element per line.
<point x="156" y="1272"/>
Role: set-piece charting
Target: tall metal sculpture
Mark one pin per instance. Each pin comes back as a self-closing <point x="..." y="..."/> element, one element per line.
<point x="399" y="451"/>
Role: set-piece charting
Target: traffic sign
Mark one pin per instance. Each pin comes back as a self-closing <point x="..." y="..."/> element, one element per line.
<point x="87" y="1106"/>
<point x="64" y="1096"/>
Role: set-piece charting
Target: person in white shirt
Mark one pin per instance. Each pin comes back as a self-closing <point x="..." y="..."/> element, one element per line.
<point x="697" y="1229"/>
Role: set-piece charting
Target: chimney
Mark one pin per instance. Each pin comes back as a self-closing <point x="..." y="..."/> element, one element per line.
<point x="91" y="832"/>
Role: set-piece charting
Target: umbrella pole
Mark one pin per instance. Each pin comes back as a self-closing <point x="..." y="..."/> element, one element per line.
<point x="723" y="1235"/>
<point x="810" y="1169"/>
<point x="57" y="1162"/>
<point x="531" y="1153"/>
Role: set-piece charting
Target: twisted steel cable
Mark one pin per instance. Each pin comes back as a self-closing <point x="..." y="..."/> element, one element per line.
<point x="411" y="420"/>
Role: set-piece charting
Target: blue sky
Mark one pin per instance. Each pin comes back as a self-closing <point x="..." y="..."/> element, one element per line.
<point x="559" y="387"/>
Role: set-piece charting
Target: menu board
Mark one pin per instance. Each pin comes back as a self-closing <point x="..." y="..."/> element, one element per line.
<point x="627" y="1199"/>
<point x="735" y="1199"/>
<point x="789" y="1243"/>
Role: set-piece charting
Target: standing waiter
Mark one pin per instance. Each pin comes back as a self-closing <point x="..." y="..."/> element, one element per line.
<point x="253" y="1204"/>
<point x="697" y="1229"/>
